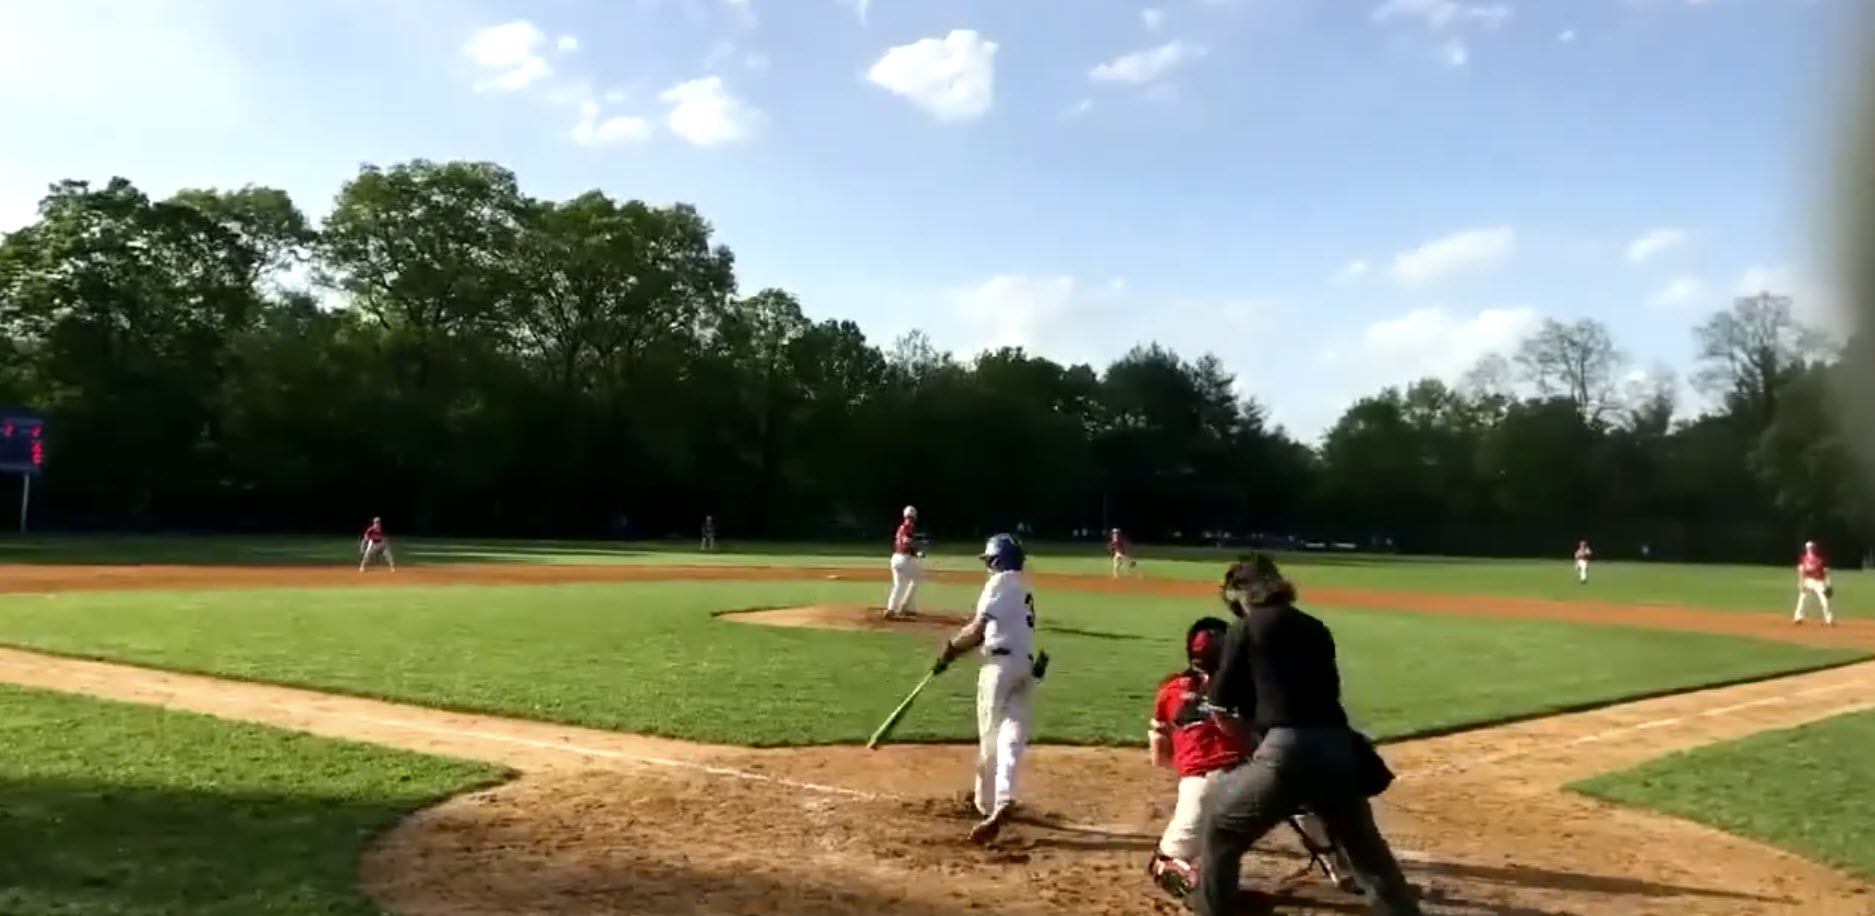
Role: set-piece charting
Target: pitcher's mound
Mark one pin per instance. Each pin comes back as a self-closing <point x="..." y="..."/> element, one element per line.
<point x="845" y="617"/>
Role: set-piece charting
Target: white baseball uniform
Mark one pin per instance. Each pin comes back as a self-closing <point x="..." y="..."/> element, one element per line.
<point x="1005" y="686"/>
<point x="1813" y="579"/>
<point x="1583" y="553"/>
<point x="906" y="570"/>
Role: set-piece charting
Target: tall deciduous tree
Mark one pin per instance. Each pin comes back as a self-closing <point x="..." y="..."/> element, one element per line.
<point x="1576" y="361"/>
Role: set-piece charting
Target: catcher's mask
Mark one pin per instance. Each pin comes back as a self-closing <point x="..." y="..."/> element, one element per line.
<point x="1204" y="643"/>
<point x="1254" y="581"/>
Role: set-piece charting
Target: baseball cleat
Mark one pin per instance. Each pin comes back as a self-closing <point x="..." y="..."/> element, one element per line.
<point x="987" y="828"/>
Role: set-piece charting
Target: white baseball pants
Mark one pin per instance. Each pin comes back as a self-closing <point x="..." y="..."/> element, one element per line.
<point x="1005" y="686"/>
<point x="1582" y="570"/>
<point x="1184" y="833"/>
<point x="905" y="575"/>
<point x="373" y="551"/>
<point x="1813" y="587"/>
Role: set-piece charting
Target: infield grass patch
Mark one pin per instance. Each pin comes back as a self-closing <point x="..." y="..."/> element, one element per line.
<point x="108" y="809"/>
<point x="649" y="657"/>
<point x="1804" y="789"/>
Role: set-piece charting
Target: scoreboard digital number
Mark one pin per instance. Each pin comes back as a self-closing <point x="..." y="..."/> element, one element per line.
<point x="22" y="441"/>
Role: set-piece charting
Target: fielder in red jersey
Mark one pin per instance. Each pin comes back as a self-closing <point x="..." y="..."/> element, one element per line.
<point x="1121" y="550"/>
<point x="373" y="544"/>
<point x="1813" y="579"/>
<point x="905" y="568"/>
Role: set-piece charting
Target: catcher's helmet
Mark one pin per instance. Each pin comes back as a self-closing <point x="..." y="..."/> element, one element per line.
<point x="1204" y="643"/>
<point x="1003" y="553"/>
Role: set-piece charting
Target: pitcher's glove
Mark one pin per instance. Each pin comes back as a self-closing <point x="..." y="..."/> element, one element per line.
<point x="945" y="656"/>
<point x="1829" y="591"/>
<point x="1040" y="670"/>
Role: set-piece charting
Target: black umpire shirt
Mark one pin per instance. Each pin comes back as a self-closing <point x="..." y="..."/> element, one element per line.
<point x="1278" y="671"/>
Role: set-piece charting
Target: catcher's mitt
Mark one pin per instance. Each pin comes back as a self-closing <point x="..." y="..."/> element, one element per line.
<point x="1829" y="591"/>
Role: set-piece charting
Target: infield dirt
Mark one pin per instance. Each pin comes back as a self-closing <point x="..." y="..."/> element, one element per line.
<point x="599" y="822"/>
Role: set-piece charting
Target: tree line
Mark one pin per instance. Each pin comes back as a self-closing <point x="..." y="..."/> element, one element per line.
<point x="458" y="357"/>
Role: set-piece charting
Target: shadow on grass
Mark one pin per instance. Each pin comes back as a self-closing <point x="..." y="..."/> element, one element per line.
<point x="71" y="846"/>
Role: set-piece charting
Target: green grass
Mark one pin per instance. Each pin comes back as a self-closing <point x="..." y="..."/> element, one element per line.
<point x="1763" y="589"/>
<point x="1805" y="789"/>
<point x="113" y="809"/>
<point x="648" y="657"/>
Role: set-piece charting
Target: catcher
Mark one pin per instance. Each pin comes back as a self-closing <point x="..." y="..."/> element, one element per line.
<point x="1189" y="740"/>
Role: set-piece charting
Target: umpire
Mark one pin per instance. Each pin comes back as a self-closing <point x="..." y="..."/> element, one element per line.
<point x="1278" y="676"/>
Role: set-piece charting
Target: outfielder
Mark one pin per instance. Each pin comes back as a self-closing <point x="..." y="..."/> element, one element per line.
<point x="1004" y="628"/>
<point x="708" y="542"/>
<point x="1122" y="552"/>
<point x="905" y="568"/>
<point x="1813" y="579"/>
<point x="1582" y="562"/>
<point x="374" y="544"/>
<point x="1185" y="738"/>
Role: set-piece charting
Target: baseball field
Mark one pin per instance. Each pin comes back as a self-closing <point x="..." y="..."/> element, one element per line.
<point x="252" y="726"/>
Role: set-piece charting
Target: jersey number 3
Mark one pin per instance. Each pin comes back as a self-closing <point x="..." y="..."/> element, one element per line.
<point x="1029" y="599"/>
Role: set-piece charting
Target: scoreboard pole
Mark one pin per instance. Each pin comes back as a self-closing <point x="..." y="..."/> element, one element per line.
<point x="26" y="498"/>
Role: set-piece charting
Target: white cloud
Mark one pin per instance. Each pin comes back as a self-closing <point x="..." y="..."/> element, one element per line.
<point x="593" y="130"/>
<point x="860" y="8"/>
<point x="567" y="44"/>
<point x="1153" y="17"/>
<point x="1654" y="243"/>
<point x="1566" y="36"/>
<point x="952" y="78"/>
<point x="1440" y="15"/>
<point x="1353" y="272"/>
<point x="1454" y="53"/>
<point x="125" y="65"/>
<point x="703" y="112"/>
<point x="1460" y="252"/>
<point x="1423" y="343"/>
<point x="1079" y="109"/>
<point x="1811" y="300"/>
<point x="1679" y="292"/>
<point x="1013" y="310"/>
<point x="1147" y="66"/>
<point x="508" y="56"/>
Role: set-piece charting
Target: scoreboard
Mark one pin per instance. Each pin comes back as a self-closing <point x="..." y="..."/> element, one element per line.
<point x="22" y="441"/>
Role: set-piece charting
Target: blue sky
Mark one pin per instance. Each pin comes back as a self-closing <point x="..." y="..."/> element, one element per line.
<point x="1332" y="195"/>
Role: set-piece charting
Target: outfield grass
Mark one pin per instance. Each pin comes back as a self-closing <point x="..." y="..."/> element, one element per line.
<point x="1728" y="588"/>
<point x="115" y="810"/>
<point x="1804" y="789"/>
<point x="649" y="657"/>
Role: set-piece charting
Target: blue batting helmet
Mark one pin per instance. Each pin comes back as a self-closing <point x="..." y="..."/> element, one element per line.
<point x="1003" y="554"/>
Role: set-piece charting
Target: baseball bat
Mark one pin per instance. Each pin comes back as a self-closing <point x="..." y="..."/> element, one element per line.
<point x="885" y="727"/>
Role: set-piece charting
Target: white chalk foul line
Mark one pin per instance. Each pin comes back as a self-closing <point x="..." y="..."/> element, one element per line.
<point x="1491" y="759"/>
<point x="583" y="751"/>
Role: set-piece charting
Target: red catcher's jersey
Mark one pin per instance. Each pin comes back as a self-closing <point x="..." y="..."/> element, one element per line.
<point x="902" y="542"/>
<point x="1199" y="744"/>
<point x="374" y="533"/>
<point x="1813" y="566"/>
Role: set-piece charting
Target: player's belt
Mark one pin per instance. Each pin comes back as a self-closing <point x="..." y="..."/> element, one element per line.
<point x="1004" y="653"/>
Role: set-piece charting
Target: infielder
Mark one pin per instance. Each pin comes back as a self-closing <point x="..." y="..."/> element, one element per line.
<point x="905" y="569"/>
<point x="709" y="534"/>
<point x="1813" y="579"/>
<point x="1122" y="551"/>
<point x="1185" y="738"/>
<point x="1582" y="562"/>
<point x="374" y="544"/>
<point x="1004" y="629"/>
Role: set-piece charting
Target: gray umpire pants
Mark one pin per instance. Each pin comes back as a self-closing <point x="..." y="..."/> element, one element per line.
<point x="1293" y="767"/>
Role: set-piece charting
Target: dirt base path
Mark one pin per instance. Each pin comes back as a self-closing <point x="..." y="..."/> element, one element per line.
<point x="604" y="823"/>
<point x="1772" y="626"/>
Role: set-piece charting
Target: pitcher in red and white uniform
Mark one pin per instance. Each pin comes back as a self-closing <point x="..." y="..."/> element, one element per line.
<point x="1813" y="579"/>
<point x="1122" y="552"/>
<point x="1582" y="562"/>
<point x="373" y="544"/>
<point x="905" y="567"/>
